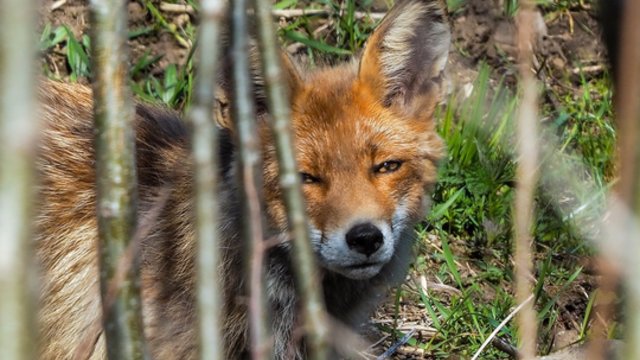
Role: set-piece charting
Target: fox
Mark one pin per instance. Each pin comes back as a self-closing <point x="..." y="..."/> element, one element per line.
<point x="367" y="152"/>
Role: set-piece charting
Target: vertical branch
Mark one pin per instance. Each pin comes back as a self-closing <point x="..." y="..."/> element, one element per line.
<point x="116" y="177"/>
<point x="628" y="189"/>
<point x="18" y="128"/>
<point x="527" y="139"/>
<point x="603" y="308"/>
<point x="204" y="137"/>
<point x="627" y="90"/>
<point x="308" y="283"/>
<point x="245" y="117"/>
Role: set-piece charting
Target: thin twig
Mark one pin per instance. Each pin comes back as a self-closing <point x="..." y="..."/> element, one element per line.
<point x="58" y="4"/>
<point x="504" y="322"/>
<point x="293" y="13"/>
<point x="185" y="43"/>
<point x="588" y="69"/>
<point x="526" y="174"/>
<point x="279" y="13"/>
<point x="505" y="347"/>
<point x="308" y="284"/>
<point x="378" y="342"/>
<point x="411" y="352"/>
<point x="177" y="8"/>
<point x="393" y="348"/>
<point x="244" y="115"/>
<point x="204" y="136"/>
<point x="425" y="286"/>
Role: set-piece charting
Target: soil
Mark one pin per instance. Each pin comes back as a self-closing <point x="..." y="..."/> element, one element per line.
<point x="75" y="15"/>
<point x="568" y="42"/>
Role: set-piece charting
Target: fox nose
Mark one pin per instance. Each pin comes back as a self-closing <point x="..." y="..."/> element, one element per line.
<point x="364" y="238"/>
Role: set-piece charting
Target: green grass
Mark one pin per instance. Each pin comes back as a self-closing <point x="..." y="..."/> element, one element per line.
<point x="467" y="236"/>
<point x="473" y="206"/>
<point x="172" y="87"/>
<point x="346" y="35"/>
<point x="76" y="50"/>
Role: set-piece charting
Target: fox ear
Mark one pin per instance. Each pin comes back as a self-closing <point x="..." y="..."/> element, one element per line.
<point x="224" y="95"/>
<point x="290" y="77"/>
<point x="406" y="55"/>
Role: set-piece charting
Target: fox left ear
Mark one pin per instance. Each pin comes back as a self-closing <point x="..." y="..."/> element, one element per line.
<point x="290" y="74"/>
<point x="404" y="59"/>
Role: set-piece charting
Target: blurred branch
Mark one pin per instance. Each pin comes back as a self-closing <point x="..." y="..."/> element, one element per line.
<point x="18" y="130"/>
<point x="309" y="287"/>
<point x="627" y="95"/>
<point x="604" y="307"/>
<point x="625" y="61"/>
<point x="250" y="156"/>
<point x="116" y="178"/>
<point x="204" y="136"/>
<point x="526" y="175"/>
<point x="628" y="189"/>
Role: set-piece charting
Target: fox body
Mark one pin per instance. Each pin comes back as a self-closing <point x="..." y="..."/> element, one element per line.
<point x="366" y="149"/>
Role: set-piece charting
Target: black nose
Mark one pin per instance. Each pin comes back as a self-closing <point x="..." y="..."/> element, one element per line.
<point x="364" y="238"/>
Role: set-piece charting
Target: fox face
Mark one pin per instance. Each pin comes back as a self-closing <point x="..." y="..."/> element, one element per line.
<point x="365" y="173"/>
<point x="366" y="145"/>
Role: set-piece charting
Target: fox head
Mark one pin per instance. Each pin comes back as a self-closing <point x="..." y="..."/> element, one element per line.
<point x="367" y="149"/>
<point x="366" y="145"/>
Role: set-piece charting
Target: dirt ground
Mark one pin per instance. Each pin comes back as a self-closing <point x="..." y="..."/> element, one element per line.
<point x="568" y="41"/>
<point x="75" y="15"/>
<point x="568" y="45"/>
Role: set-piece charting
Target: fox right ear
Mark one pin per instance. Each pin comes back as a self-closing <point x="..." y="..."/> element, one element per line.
<point x="406" y="55"/>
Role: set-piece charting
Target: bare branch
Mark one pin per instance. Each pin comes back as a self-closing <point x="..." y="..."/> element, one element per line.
<point x="293" y="13"/>
<point x="177" y="8"/>
<point x="526" y="175"/>
<point x="244" y="115"/>
<point x="204" y="137"/>
<point x="18" y="129"/>
<point x="628" y="113"/>
<point x="116" y="177"/>
<point x="308" y="283"/>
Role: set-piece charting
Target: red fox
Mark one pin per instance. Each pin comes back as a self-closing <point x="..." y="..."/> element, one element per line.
<point x="367" y="152"/>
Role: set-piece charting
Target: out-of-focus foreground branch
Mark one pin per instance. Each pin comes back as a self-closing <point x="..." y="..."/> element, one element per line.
<point x="18" y="129"/>
<point x="526" y="175"/>
<point x="628" y="114"/>
<point x="204" y="137"/>
<point x="304" y="262"/>
<point x="116" y="177"/>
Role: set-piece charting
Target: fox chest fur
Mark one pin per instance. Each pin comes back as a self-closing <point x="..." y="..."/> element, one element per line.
<point x="366" y="150"/>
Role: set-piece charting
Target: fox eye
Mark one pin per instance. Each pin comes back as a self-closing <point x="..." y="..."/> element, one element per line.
<point x="387" y="166"/>
<point x="309" y="179"/>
